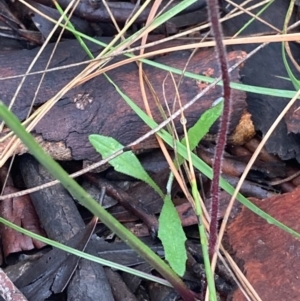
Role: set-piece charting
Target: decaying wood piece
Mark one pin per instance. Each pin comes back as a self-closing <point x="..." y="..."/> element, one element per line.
<point x="266" y="69"/>
<point x="96" y="107"/>
<point x="269" y="255"/>
<point x="8" y="291"/>
<point x="20" y="211"/>
<point x="61" y="220"/>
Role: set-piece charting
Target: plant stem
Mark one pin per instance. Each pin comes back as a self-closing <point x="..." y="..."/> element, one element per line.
<point x="203" y="241"/>
<point x="213" y="11"/>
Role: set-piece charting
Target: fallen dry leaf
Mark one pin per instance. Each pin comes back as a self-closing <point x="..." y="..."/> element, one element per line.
<point x="20" y="211"/>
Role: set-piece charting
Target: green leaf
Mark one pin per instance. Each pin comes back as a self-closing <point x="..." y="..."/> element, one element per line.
<point x="201" y="128"/>
<point x="127" y="163"/>
<point x="172" y="236"/>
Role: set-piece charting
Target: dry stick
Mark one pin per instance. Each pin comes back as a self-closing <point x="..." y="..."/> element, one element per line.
<point x="213" y="12"/>
<point x="287" y="179"/>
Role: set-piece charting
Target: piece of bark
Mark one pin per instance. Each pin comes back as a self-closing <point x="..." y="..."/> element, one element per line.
<point x="20" y="211"/>
<point x="45" y="26"/>
<point x="265" y="69"/>
<point x="51" y="273"/>
<point x="55" y="207"/>
<point x="95" y="286"/>
<point x="119" y="252"/>
<point x="106" y="112"/>
<point x="94" y="10"/>
<point x="159" y="292"/>
<point x="269" y="256"/>
<point x="119" y="288"/>
<point x="60" y="218"/>
<point x="8" y="291"/>
<point x="25" y="261"/>
<point x="133" y="281"/>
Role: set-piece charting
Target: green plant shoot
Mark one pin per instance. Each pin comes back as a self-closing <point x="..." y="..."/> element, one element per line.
<point x="170" y="229"/>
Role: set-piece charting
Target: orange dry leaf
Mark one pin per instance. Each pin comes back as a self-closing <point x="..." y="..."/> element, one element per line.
<point x="20" y="211"/>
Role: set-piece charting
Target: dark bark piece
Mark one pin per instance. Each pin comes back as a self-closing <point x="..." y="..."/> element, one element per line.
<point x="262" y="70"/>
<point x="55" y="207"/>
<point x="45" y="26"/>
<point x="94" y="10"/>
<point x="59" y="216"/>
<point x="24" y="262"/>
<point x="52" y="272"/>
<point x="108" y="114"/>
<point x="37" y="281"/>
<point x="119" y="288"/>
<point x="176" y="23"/>
<point x="95" y="286"/>
<point x="119" y="252"/>
<point x="269" y="256"/>
<point x="133" y="281"/>
<point x="158" y="292"/>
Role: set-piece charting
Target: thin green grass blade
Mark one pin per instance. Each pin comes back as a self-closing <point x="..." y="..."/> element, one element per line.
<point x="295" y="81"/>
<point x="292" y="77"/>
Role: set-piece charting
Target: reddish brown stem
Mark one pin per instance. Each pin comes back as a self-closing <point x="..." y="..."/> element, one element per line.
<point x="213" y="10"/>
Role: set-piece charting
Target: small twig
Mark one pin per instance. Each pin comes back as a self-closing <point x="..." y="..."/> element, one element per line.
<point x="281" y="181"/>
